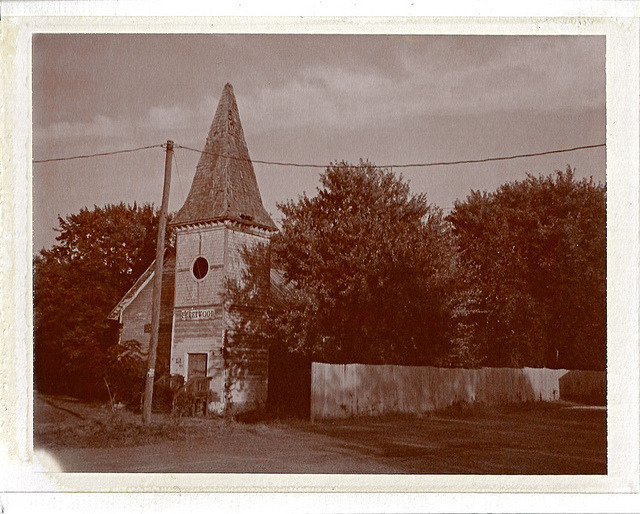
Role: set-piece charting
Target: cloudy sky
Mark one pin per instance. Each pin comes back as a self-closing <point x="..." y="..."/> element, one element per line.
<point x="312" y="99"/>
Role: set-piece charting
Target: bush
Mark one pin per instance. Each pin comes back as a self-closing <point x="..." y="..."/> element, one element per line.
<point x="125" y="373"/>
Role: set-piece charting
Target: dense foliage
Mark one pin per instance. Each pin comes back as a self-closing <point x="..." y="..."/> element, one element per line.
<point x="533" y="266"/>
<point x="368" y="271"/>
<point x="363" y="271"/>
<point x="98" y="256"/>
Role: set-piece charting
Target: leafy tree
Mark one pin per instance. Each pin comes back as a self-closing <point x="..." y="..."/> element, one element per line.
<point x="98" y="255"/>
<point x="366" y="271"/>
<point x="533" y="257"/>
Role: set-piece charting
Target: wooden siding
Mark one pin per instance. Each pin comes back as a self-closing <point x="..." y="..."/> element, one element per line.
<point x="137" y="315"/>
<point x="241" y="365"/>
<point x="341" y="390"/>
<point x="200" y="336"/>
<point x="247" y="365"/>
<point x="238" y="239"/>
<point x="247" y="358"/>
<point x="208" y="243"/>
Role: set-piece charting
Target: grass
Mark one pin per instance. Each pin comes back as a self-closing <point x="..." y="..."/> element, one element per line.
<point x="61" y="422"/>
<point x="112" y="431"/>
<point x="107" y="428"/>
<point x="521" y="439"/>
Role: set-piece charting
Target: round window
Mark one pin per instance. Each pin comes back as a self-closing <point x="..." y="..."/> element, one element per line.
<point x="200" y="268"/>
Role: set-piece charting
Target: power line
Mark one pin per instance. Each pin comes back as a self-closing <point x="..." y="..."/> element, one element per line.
<point x="175" y="161"/>
<point x="413" y="165"/>
<point x="296" y="164"/>
<point x="96" y="154"/>
<point x="306" y="165"/>
<point x="490" y="159"/>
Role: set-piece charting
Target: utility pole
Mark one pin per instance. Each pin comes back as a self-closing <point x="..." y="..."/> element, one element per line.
<point x="157" y="288"/>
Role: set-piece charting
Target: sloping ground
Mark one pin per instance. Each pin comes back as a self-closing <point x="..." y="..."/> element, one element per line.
<point x="538" y="439"/>
<point x="65" y="411"/>
<point x="57" y="410"/>
<point x="66" y="422"/>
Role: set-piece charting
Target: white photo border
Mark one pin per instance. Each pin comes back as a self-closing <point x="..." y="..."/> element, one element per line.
<point x="25" y="471"/>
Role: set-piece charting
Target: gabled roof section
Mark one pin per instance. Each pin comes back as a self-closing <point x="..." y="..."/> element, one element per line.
<point x="225" y="186"/>
<point x="138" y="286"/>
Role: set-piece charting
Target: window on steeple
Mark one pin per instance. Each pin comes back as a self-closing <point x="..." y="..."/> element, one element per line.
<point x="200" y="268"/>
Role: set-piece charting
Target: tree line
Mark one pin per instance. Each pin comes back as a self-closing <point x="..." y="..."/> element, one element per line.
<point x="364" y="271"/>
<point x="98" y="255"/>
<point x="369" y="272"/>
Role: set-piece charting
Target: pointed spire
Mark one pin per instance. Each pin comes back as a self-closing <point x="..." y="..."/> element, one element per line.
<point x="224" y="186"/>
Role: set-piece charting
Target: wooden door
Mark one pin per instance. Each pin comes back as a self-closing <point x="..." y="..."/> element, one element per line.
<point x="197" y="366"/>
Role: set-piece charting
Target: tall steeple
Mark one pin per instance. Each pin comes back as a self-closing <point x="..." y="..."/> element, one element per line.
<point x="224" y="186"/>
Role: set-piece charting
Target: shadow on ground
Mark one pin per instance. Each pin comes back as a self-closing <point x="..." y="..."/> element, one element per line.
<point x="530" y="439"/>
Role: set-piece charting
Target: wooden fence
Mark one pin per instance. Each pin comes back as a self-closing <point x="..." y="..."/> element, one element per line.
<point x="342" y="390"/>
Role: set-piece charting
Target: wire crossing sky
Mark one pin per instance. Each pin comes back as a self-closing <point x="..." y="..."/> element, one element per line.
<point x="302" y="165"/>
<point x="413" y="100"/>
<point x="102" y="154"/>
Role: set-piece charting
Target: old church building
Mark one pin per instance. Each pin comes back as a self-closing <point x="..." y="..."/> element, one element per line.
<point x="222" y="214"/>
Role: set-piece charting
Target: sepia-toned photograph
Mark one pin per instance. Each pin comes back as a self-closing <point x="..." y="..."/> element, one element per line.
<point x="320" y="253"/>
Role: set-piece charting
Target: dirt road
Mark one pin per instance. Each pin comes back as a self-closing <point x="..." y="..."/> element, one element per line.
<point x="545" y="439"/>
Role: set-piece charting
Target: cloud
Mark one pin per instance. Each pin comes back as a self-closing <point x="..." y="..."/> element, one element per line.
<point x="457" y="77"/>
<point x="157" y="119"/>
<point x="99" y="126"/>
<point x="523" y="73"/>
<point x="338" y="98"/>
<point x="161" y="117"/>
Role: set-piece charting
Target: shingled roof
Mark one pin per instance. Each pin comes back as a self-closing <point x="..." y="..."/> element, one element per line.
<point x="224" y="186"/>
<point x="142" y="281"/>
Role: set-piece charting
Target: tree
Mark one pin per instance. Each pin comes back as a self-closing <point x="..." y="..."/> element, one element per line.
<point x="366" y="271"/>
<point x="98" y="255"/>
<point x="533" y="261"/>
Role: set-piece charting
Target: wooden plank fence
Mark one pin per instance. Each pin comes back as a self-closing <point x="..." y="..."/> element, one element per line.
<point x="342" y="390"/>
